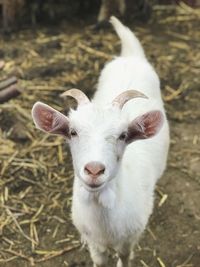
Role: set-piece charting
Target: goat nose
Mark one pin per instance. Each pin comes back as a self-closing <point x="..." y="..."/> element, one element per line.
<point x="94" y="169"/>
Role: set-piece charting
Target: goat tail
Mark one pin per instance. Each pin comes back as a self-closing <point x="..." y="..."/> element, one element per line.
<point x="130" y="43"/>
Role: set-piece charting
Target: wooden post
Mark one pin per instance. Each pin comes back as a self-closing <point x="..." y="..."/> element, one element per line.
<point x="10" y="9"/>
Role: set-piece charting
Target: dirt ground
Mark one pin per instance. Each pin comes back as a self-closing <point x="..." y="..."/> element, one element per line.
<point x="36" y="172"/>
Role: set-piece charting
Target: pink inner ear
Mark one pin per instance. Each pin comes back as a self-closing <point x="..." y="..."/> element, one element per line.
<point x="49" y="120"/>
<point x="145" y="126"/>
<point x="43" y="116"/>
<point x="152" y="122"/>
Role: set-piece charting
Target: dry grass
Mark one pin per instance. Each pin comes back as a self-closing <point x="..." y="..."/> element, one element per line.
<point x="35" y="169"/>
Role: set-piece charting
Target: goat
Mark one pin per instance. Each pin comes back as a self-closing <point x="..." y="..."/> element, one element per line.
<point x="119" y="149"/>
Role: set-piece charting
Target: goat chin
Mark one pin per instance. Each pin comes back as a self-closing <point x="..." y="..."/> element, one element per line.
<point x="104" y="196"/>
<point x="94" y="188"/>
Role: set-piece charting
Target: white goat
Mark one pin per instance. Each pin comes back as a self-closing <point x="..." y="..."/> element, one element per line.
<point x="114" y="175"/>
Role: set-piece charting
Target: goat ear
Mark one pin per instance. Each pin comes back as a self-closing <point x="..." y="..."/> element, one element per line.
<point x="145" y="126"/>
<point x="50" y="120"/>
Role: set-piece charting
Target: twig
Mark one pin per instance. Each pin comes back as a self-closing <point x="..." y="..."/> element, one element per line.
<point x="7" y="82"/>
<point x="163" y="199"/>
<point x="8" y="93"/>
<point x="185" y="263"/>
<point x="49" y="254"/>
<point x="151" y="233"/>
<point x="174" y="95"/>
<point x="2" y="64"/>
<point x="94" y="52"/>
<point x="19" y="254"/>
<point x="9" y="259"/>
<point x="53" y="254"/>
<point x="161" y="263"/>
<point x="144" y="263"/>
<point x="18" y="226"/>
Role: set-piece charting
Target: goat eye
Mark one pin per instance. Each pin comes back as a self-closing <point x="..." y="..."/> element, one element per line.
<point x="122" y="136"/>
<point x="73" y="132"/>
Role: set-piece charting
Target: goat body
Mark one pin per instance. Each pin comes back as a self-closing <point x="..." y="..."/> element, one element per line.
<point x="117" y="216"/>
<point x="111" y="209"/>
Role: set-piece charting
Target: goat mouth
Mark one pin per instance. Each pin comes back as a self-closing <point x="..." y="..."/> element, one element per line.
<point x="94" y="187"/>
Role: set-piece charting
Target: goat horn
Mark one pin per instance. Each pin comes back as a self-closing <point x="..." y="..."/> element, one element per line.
<point x="121" y="99"/>
<point x="77" y="94"/>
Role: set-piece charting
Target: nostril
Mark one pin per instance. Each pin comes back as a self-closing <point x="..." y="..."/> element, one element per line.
<point x="87" y="170"/>
<point x="101" y="171"/>
<point x="94" y="168"/>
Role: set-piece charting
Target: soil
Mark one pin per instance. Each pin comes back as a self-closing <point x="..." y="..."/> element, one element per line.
<point x="172" y="238"/>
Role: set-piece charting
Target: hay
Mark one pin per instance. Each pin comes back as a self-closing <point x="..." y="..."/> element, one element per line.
<point x="36" y="173"/>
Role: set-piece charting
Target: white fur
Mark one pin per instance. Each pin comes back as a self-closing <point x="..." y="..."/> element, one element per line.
<point x="115" y="216"/>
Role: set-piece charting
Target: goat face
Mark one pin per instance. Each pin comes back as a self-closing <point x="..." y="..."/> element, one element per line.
<point x="97" y="142"/>
<point x="97" y="136"/>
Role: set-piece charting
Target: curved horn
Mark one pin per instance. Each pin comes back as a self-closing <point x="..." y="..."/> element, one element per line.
<point x="121" y="99"/>
<point x="77" y="94"/>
